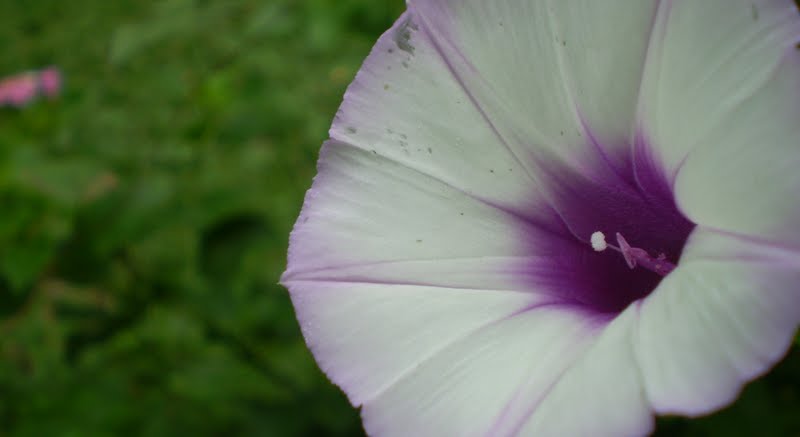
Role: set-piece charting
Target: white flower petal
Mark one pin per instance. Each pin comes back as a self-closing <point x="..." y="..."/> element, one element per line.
<point x="369" y="218"/>
<point x="368" y="336"/>
<point x="706" y="60"/>
<point x="548" y="71"/>
<point x="723" y="317"/>
<point x="405" y="104"/>
<point x="601" y="393"/>
<point x="469" y="389"/>
<point x="744" y="178"/>
<point x="388" y="265"/>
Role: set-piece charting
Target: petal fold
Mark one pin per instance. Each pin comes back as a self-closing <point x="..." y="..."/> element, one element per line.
<point x="370" y="218"/>
<point x="743" y="177"/>
<point x="724" y="317"/>
<point x="558" y="79"/>
<point x="366" y="337"/>
<point x="706" y="61"/>
<point x="406" y="105"/>
<point x="465" y="389"/>
<point x="601" y="393"/>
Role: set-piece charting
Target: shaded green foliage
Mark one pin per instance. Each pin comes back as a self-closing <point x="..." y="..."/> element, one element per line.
<point x="146" y="215"/>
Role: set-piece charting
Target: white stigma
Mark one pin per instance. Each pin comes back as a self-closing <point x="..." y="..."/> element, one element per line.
<point x="599" y="241"/>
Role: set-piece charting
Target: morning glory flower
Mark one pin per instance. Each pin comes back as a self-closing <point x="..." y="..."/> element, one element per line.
<point x="557" y="218"/>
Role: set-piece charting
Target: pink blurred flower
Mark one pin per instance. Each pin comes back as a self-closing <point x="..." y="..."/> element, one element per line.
<point x="50" y="82"/>
<point x="23" y="88"/>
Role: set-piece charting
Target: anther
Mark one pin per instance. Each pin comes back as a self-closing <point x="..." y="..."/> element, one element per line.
<point x="634" y="256"/>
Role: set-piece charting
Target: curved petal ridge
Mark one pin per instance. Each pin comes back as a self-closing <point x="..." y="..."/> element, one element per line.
<point x="424" y="226"/>
<point x="478" y="107"/>
<point x="708" y="58"/>
<point x="717" y="244"/>
<point x="432" y="355"/>
<point x="658" y="30"/>
<point x="405" y="104"/>
<point x="561" y="70"/>
<point x="742" y="176"/>
<point x="517" y="215"/>
<point x="462" y="389"/>
<point x="540" y="63"/>
<point x="437" y="44"/>
<point x="731" y="53"/>
<point x="491" y="272"/>
<point x="361" y="342"/>
<point x="602" y="385"/>
<point x="504" y="425"/>
<point x="734" y="101"/>
<point x="712" y="326"/>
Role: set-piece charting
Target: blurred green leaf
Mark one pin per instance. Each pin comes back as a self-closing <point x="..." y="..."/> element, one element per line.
<point x="147" y="213"/>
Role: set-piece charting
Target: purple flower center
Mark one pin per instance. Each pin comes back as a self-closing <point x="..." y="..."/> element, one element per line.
<point x="629" y="200"/>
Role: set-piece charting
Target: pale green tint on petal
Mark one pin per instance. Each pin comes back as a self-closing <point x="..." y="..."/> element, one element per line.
<point x="744" y="176"/>
<point x="470" y="388"/>
<point x="366" y="209"/>
<point x="543" y="69"/>
<point x="601" y="393"/>
<point x="367" y="337"/>
<point x="725" y="316"/>
<point x="706" y="60"/>
<point x="405" y="105"/>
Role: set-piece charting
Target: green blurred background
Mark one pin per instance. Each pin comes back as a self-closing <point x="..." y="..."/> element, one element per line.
<point x="144" y="219"/>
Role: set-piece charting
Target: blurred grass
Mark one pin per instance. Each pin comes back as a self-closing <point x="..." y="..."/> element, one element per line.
<point x="146" y="216"/>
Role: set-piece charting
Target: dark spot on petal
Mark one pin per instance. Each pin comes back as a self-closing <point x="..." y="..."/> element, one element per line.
<point x="402" y="36"/>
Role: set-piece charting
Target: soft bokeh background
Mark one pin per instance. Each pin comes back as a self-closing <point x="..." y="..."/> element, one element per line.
<point x="144" y="219"/>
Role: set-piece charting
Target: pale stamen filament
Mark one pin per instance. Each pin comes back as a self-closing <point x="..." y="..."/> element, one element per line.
<point x="634" y="256"/>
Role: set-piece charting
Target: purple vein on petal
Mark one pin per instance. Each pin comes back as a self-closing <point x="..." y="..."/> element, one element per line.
<point x="410" y="370"/>
<point x="550" y="203"/>
<point x="647" y="171"/>
<point x="364" y="280"/>
<point x="598" y="325"/>
<point x="320" y="273"/>
<point x="599" y="148"/>
<point x="517" y="215"/>
<point x="473" y="100"/>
